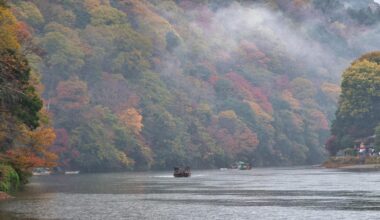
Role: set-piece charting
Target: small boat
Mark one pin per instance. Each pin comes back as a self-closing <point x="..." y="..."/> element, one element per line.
<point x="71" y="172"/>
<point x="62" y="171"/>
<point x="245" y="167"/>
<point x="240" y="165"/>
<point x="41" y="171"/>
<point x="182" y="172"/>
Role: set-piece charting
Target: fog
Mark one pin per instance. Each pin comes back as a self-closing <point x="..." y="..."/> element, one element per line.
<point x="322" y="45"/>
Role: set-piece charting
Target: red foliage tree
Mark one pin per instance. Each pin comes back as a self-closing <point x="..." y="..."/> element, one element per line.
<point x="250" y="92"/>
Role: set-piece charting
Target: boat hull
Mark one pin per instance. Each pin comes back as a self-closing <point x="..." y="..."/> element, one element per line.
<point x="182" y="174"/>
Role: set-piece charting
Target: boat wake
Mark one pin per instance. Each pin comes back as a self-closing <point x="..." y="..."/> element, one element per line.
<point x="171" y="176"/>
<point x="164" y="176"/>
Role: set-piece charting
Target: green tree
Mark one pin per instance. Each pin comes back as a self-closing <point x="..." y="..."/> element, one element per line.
<point x="29" y="12"/>
<point x="106" y="15"/>
<point x="64" y="54"/>
<point x="359" y="104"/>
<point x="99" y="143"/>
<point x="17" y="95"/>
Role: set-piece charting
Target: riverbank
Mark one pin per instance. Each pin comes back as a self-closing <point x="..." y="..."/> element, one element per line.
<point x="361" y="168"/>
<point x="353" y="163"/>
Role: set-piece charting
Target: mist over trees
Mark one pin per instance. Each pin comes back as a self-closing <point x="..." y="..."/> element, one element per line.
<point x="148" y="84"/>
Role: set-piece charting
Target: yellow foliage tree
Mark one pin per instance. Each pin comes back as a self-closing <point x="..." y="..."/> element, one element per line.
<point x="331" y="90"/>
<point x="289" y="98"/>
<point x="256" y="108"/>
<point x="230" y="114"/>
<point x="8" y="27"/>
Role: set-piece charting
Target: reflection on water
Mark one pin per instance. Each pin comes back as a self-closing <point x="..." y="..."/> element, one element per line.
<point x="299" y="193"/>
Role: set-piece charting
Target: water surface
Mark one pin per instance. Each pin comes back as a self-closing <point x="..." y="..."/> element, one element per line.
<point x="290" y="193"/>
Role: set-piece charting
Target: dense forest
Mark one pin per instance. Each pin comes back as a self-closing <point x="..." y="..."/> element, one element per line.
<point x="25" y="132"/>
<point x="150" y="84"/>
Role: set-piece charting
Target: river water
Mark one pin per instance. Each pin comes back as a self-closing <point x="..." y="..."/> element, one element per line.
<point x="287" y="193"/>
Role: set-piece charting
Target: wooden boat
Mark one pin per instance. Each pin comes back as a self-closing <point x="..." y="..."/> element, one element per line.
<point x="182" y="172"/>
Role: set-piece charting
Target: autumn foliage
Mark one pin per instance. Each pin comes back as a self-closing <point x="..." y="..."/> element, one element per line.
<point x="147" y="84"/>
<point x="25" y="135"/>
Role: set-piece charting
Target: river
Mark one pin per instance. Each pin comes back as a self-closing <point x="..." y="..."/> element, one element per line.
<point x="268" y="193"/>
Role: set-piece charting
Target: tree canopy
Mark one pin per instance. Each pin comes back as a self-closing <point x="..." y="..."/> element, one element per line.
<point x="25" y="135"/>
<point x="359" y="103"/>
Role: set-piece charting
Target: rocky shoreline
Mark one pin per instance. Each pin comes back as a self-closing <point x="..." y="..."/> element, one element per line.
<point x="353" y="164"/>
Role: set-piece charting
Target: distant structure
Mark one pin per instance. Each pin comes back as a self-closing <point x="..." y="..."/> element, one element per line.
<point x="366" y="143"/>
<point x="365" y="147"/>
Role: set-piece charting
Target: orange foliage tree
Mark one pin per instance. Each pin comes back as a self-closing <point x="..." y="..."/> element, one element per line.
<point x="72" y="94"/>
<point x="32" y="149"/>
<point x="131" y="119"/>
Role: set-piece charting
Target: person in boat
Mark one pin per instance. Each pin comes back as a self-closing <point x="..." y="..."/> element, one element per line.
<point x="176" y="170"/>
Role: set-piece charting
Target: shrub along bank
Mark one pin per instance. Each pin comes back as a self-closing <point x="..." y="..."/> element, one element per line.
<point x="9" y="178"/>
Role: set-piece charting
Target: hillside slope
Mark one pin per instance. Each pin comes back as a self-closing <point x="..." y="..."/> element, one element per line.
<point x="138" y="84"/>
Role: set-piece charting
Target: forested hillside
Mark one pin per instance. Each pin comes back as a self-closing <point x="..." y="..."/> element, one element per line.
<point x="25" y="132"/>
<point x="150" y="84"/>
